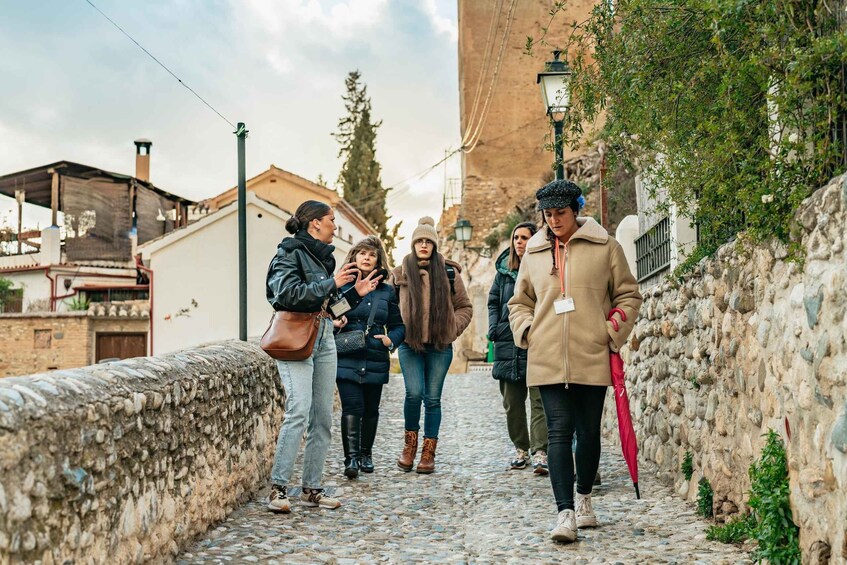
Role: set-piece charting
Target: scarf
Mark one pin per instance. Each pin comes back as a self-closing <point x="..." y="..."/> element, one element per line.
<point x="321" y="251"/>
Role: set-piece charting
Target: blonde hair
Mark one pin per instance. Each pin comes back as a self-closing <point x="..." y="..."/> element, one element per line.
<point x="370" y="243"/>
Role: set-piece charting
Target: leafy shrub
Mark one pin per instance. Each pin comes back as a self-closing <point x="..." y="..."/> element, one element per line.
<point x="777" y="536"/>
<point x="77" y="304"/>
<point x="704" y="499"/>
<point x="687" y="466"/>
<point x="735" y="531"/>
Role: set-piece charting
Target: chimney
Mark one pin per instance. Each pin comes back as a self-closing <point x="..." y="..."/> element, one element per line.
<point x="142" y="159"/>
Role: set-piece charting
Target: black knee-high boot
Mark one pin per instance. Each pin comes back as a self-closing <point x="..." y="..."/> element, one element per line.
<point x="351" y="439"/>
<point x="368" y="436"/>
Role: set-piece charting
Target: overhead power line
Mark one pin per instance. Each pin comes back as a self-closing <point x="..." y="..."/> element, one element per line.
<point x="467" y="144"/>
<point x="486" y="59"/>
<point x="191" y="90"/>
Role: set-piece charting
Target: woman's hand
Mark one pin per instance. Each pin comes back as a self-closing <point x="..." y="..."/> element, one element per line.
<point x="386" y="341"/>
<point x="340" y="322"/>
<point x="367" y="284"/>
<point x="345" y="275"/>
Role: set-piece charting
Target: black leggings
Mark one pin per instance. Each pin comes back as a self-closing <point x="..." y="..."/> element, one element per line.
<point x="577" y="408"/>
<point x="359" y="399"/>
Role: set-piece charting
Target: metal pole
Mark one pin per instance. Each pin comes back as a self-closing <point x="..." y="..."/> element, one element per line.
<point x="558" y="127"/>
<point x="241" y="133"/>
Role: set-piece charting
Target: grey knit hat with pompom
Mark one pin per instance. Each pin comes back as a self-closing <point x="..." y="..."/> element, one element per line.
<point x="425" y="230"/>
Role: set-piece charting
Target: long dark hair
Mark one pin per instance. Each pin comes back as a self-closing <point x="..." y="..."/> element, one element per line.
<point x="306" y="212"/>
<point x="514" y="260"/>
<point x="440" y="301"/>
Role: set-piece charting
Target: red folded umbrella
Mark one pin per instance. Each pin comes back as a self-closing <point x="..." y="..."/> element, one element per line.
<point x="629" y="445"/>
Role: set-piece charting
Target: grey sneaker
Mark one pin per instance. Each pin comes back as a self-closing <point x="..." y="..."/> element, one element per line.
<point x="278" y="500"/>
<point x="315" y="497"/>
<point x="521" y="460"/>
<point x="565" y="530"/>
<point x="585" y="517"/>
<point x="539" y="462"/>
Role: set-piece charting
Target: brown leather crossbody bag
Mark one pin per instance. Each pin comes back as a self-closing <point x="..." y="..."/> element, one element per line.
<point x="291" y="335"/>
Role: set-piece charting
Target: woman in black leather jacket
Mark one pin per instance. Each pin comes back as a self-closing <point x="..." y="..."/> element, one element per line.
<point x="510" y="361"/>
<point x="363" y="372"/>
<point x="300" y="280"/>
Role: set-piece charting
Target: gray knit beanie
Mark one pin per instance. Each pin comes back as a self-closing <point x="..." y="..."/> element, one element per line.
<point x="425" y="230"/>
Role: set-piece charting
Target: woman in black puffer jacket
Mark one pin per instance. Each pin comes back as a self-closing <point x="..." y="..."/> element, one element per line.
<point x="362" y="373"/>
<point x="510" y="361"/>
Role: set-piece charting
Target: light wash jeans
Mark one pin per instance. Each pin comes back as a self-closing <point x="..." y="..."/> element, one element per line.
<point x="423" y="374"/>
<point x="309" y="392"/>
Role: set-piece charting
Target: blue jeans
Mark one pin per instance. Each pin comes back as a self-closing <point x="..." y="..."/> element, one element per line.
<point x="309" y="392"/>
<point x="424" y="375"/>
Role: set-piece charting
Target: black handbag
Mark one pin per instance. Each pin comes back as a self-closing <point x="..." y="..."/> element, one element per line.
<point x="355" y="340"/>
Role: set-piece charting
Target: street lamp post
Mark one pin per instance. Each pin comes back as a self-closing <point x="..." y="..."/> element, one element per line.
<point x="555" y="90"/>
<point x="463" y="230"/>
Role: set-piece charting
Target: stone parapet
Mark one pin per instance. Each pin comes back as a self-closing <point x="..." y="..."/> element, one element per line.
<point x="752" y="341"/>
<point x="126" y="462"/>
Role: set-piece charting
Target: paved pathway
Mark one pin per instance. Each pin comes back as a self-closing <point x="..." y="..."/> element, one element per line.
<point x="472" y="510"/>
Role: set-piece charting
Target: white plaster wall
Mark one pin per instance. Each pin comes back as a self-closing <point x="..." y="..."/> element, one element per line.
<point x="203" y="266"/>
<point x="36" y="286"/>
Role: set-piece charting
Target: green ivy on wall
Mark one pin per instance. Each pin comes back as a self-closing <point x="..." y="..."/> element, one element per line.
<point x="736" y="108"/>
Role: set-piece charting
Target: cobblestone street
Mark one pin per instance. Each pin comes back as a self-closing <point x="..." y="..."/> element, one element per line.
<point x="472" y="510"/>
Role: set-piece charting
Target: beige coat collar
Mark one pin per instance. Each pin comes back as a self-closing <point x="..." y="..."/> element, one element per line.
<point x="589" y="230"/>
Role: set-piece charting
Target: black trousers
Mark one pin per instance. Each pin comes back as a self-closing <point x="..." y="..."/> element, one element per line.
<point x="359" y="399"/>
<point x="575" y="409"/>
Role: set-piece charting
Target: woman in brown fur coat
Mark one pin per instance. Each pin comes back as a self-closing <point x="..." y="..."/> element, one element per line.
<point x="436" y="310"/>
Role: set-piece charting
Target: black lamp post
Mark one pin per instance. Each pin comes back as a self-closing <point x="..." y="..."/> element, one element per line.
<point x="555" y="90"/>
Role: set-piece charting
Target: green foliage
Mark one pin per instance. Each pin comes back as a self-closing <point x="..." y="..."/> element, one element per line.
<point x="360" y="176"/>
<point x="704" y="498"/>
<point x="775" y="532"/>
<point x="687" y="466"/>
<point x="735" y="531"/>
<point x="78" y="304"/>
<point x="694" y="382"/>
<point x="5" y="287"/>
<point x="736" y="109"/>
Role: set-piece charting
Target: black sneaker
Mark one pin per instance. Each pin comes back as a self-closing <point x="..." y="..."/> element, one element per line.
<point x="278" y="500"/>
<point x="520" y="461"/>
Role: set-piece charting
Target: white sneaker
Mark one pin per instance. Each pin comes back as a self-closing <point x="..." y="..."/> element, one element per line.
<point x="585" y="517"/>
<point x="565" y="530"/>
<point x="317" y="498"/>
<point x="278" y="500"/>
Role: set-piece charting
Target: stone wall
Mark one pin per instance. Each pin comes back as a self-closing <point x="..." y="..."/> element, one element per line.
<point x="128" y="461"/>
<point x="36" y="342"/>
<point x="751" y="342"/>
<point x="31" y="343"/>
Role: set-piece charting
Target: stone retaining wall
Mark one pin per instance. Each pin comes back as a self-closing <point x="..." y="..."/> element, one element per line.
<point x="126" y="462"/>
<point x="750" y="342"/>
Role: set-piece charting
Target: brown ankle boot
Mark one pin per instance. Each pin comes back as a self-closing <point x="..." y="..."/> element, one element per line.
<point x="427" y="463"/>
<point x="410" y="449"/>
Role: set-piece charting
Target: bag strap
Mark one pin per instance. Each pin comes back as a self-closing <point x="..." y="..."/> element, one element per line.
<point x="451" y="274"/>
<point x="372" y="315"/>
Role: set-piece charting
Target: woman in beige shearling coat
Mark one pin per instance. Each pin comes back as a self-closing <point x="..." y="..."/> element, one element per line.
<point x="572" y="275"/>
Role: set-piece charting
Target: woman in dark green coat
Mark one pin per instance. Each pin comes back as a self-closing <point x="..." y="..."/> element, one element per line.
<point x="510" y="361"/>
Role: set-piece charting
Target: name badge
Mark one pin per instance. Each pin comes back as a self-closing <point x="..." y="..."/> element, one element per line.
<point x="340" y="308"/>
<point x="563" y="305"/>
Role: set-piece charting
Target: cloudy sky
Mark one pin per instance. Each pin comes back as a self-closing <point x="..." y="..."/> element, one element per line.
<point x="75" y="88"/>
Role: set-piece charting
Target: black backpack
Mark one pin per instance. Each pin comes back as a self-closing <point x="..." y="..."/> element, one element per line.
<point x="451" y="274"/>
